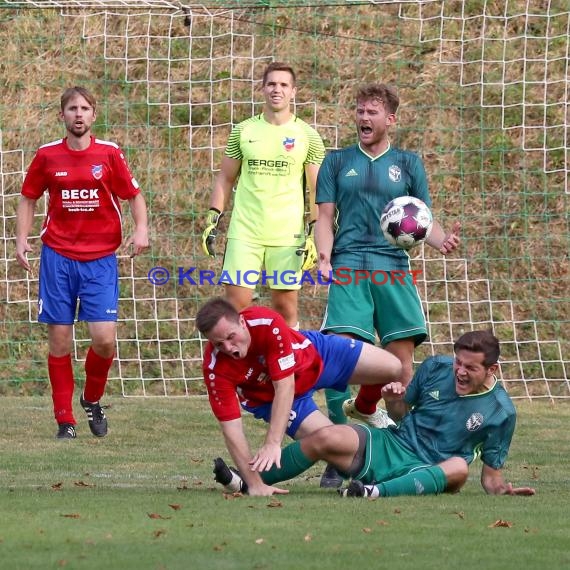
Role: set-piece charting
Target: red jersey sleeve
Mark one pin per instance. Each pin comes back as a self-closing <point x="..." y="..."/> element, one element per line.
<point x="35" y="183"/>
<point x="124" y="184"/>
<point x="221" y="390"/>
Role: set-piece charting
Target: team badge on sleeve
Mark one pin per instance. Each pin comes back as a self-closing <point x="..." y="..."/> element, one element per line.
<point x="97" y="171"/>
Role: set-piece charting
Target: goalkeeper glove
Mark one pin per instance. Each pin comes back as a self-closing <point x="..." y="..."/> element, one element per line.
<point x="309" y="250"/>
<point x="211" y="231"/>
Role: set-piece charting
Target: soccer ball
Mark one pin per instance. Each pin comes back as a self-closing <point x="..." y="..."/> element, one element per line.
<point x="406" y="222"/>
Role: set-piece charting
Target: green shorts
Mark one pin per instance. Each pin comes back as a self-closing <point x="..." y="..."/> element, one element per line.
<point x="247" y="264"/>
<point x="385" y="457"/>
<point x="364" y="303"/>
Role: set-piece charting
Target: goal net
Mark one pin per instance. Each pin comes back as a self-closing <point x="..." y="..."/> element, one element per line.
<point x="484" y="89"/>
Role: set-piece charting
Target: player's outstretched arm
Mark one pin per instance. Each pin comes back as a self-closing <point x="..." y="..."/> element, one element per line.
<point x="269" y="453"/>
<point x="494" y="484"/>
<point x="238" y="447"/>
<point x="442" y="241"/>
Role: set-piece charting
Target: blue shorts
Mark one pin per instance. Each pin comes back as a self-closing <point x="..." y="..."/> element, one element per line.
<point x="340" y="355"/>
<point x="64" y="281"/>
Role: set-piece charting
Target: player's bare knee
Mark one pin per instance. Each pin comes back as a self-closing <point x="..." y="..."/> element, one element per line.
<point x="285" y="303"/>
<point x="239" y="297"/>
<point x="105" y="348"/>
<point x="314" y="445"/>
<point x="462" y="467"/>
<point x="325" y="440"/>
<point x="456" y="471"/>
<point x="59" y="349"/>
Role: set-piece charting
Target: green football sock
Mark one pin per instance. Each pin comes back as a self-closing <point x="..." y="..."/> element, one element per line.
<point x="293" y="463"/>
<point x="426" y="481"/>
<point x="335" y="400"/>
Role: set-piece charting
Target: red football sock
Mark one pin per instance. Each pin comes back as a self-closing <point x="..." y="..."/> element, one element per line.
<point x="96" y="375"/>
<point x="367" y="398"/>
<point x="60" y="374"/>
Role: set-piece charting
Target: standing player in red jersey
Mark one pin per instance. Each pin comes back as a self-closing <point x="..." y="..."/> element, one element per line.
<point x="85" y="178"/>
<point x="254" y="359"/>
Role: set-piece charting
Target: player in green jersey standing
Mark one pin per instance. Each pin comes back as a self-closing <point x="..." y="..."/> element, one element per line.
<point x="274" y="155"/>
<point x="453" y="411"/>
<point x="354" y="186"/>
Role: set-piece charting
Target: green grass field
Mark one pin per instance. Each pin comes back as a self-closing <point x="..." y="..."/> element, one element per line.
<point x="144" y="497"/>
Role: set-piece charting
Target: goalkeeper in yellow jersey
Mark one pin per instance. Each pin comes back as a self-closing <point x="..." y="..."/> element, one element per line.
<point x="273" y="157"/>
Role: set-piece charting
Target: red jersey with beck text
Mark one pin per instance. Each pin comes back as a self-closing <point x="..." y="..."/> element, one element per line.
<point x="83" y="221"/>
<point x="276" y="351"/>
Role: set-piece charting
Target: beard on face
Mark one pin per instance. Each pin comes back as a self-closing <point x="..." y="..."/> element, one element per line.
<point x="77" y="130"/>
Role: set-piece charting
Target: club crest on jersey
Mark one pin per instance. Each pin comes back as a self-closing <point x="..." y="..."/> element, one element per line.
<point x="97" y="171"/>
<point x="474" y="421"/>
<point x="394" y="173"/>
<point x="289" y="143"/>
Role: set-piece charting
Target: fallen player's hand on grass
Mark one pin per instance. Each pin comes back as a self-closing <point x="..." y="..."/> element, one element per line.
<point x="269" y="454"/>
<point x="523" y="491"/>
<point x="266" y="491"/>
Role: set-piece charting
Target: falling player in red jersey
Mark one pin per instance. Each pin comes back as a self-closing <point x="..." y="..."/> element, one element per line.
<point x="85" y="178"/>
<point x="255" y="361"/>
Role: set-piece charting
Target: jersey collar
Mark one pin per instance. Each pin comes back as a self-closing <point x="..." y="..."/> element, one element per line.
<point x="374" y="157"/>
